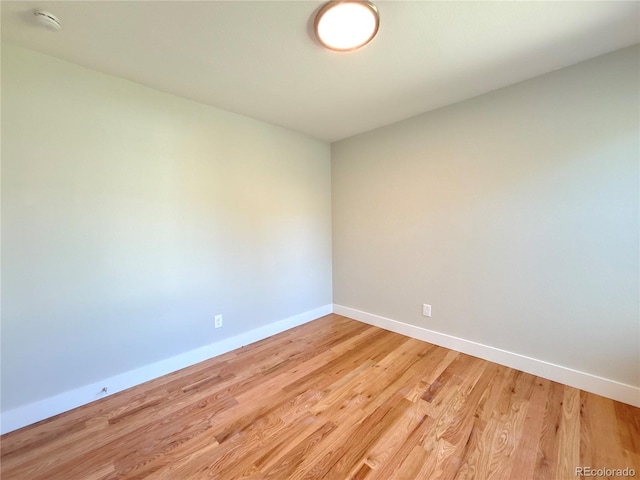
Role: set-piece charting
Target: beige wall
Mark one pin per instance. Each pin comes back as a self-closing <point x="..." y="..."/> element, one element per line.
<point x="514" y="214"/>
<point x="130" y="217"/>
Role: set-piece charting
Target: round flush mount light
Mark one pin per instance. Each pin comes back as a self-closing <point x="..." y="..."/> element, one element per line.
<point x="346" y="25"/>
<point x="47" y="20"/>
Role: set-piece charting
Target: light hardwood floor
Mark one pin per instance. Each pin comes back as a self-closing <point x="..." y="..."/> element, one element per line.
<point x="333" y="399"/>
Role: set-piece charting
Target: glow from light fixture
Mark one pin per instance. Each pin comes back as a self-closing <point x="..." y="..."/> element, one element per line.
<point x="346" y="25"/>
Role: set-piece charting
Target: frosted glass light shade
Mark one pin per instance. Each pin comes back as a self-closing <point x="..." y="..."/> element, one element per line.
<point x="346" y="25"/>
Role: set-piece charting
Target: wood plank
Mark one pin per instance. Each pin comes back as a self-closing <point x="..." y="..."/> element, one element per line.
<point x="569" y="435"/>
<point x="548" y="445"/>
<point x="527" y="449"/>
<point x="628" y="426"/>
<point x="475" y="461"/>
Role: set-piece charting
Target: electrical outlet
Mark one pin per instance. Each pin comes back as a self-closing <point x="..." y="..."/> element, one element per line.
<point x="218" y="321"/>
<point x="426" y="310"/>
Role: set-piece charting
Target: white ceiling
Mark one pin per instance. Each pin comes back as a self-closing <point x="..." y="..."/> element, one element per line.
<point x="260" y="59"/>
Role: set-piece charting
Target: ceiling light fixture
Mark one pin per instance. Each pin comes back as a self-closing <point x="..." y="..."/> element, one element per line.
<point x="347" y="25"/>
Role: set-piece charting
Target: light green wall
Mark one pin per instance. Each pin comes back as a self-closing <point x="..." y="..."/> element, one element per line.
<point x="130" y="217"/>
<point x="514" y="214"/>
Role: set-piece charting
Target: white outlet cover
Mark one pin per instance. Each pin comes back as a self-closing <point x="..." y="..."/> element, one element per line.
<point x="426" y="310"/>
<point x="217" y="321"/>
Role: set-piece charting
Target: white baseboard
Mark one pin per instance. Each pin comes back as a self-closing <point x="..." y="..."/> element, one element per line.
<point x="568" y="376"/>
<point x="48" y="407"/>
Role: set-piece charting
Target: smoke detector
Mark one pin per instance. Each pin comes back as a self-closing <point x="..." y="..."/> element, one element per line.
<point x="47" y="20"/>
